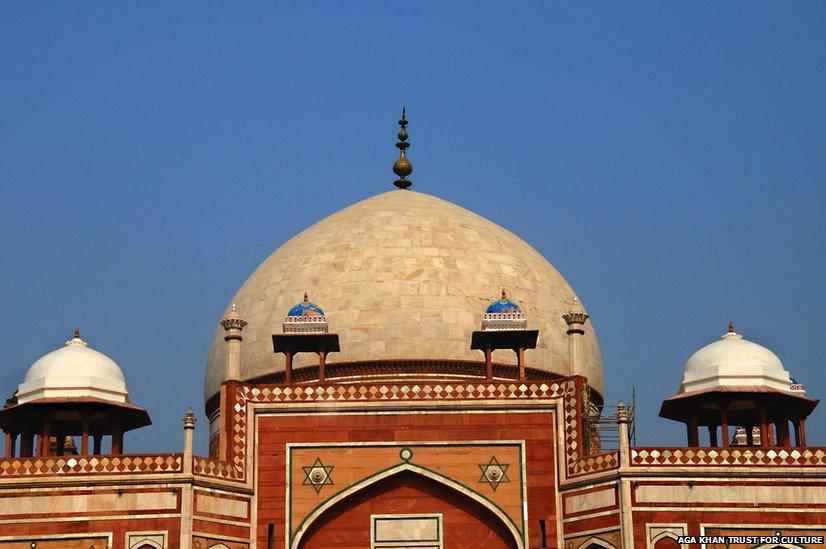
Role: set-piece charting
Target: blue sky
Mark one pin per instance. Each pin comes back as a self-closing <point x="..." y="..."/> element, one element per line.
<point x="667" y="158"/>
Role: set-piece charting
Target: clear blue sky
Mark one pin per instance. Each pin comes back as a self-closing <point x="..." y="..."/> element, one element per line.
<point x="668" y="159"/>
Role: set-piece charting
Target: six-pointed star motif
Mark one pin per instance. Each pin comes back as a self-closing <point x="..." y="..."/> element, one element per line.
<point x="494" y="473"/>
<point x="318" y="475"/>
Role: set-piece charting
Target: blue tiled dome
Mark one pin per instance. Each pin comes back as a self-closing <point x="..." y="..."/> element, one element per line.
<point x="503" y="305"/>
<point x="305" y="308"/>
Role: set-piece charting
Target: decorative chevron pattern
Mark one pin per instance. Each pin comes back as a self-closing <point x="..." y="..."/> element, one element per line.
<point x="404" y="392"/>
<point x="86" y="465"/>
<point x="779" y="457"/>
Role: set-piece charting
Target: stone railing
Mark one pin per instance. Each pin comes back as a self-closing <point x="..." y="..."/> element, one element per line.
<point x="732" y="457"/>
<point x="214" y="468"/>
<point x="133" y="464"/>
<point x="595" y="463"/>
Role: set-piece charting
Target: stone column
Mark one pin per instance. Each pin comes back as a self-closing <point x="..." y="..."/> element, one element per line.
<point x="575" y="318"/>
<point x="46" y="440"/>
<point x="84" y="437"/>
<point x="693" y="434"/>
<point x="322" y="359"/>
<point x="233" y="324"/>
<point x="783" y="432"/>
<point x="764" y="431"/>
<point x="117" y="441"/>
<point x="189" y="434"/>
<point x="26" y="443"/>
<point x="626" y="519"/>
<point x="288" y="367"/>
<point x="488" y="363"/>
<point x="724" y="434"/>
<point x="185" y="541"/>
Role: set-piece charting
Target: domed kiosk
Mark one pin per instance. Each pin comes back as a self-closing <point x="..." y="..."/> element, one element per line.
<point x="734" y="381"/>
<point x="72" y="391"/>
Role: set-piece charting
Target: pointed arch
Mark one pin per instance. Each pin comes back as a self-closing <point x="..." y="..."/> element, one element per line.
<point x="665" y="535"/>
<point x="145" y="543"/>
<point x="417" y="470"/>
<point x="595" y="542"/>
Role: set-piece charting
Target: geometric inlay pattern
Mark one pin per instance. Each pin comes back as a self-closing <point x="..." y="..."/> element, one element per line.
<point x="493" y="473"/>
<point x="729" y="456"/>
<point x="86" y="465"/>
<point x="318" y="475"/>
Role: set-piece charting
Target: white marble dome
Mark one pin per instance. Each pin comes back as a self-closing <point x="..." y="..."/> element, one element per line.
<point x="735" y="362"/>
<point x="403" y="275"/>
<point x="73" y="371"/>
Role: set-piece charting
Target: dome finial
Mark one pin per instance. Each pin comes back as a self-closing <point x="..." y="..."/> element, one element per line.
<point x="402" y="167"/>
<point x="730" y="327"/>
<point x="306" y="297"/>
<point x="76" y="334"/>
<point x="504" y="294"/>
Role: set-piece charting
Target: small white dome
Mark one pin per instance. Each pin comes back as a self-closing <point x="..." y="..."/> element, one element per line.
<point x="734" y="361"/>
<point x="75" y="370"/>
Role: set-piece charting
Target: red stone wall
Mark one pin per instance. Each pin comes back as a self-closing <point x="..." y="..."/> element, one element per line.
<point x="37" y="531"/>
<point x="466" y="524"/>
<point x="274" y="432"/>
<point x="745" y="518"/>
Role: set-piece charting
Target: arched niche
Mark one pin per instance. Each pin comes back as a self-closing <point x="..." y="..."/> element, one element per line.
<point x="666" y="541"/>
<point x="596" y="543"/>
<point x="432" y="493"/>
<point x="145" y="544"/>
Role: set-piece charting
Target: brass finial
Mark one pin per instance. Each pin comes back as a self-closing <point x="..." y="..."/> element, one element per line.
<point x="306" y="297"/>
<point x="504" y="294"/>
<point x="730" y="327"/>
<point x="402" y="167"/>
<point x="76" y="334"/>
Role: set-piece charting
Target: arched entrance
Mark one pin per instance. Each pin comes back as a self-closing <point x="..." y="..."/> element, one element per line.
<point x="463" y="522"/>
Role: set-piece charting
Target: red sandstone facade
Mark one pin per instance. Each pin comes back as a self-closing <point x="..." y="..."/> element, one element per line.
<point x="483" y="463"/>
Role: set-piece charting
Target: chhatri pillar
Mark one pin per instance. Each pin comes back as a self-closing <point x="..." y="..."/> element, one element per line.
<point x="233" y="324"/>
<point x="575" y="318"/>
